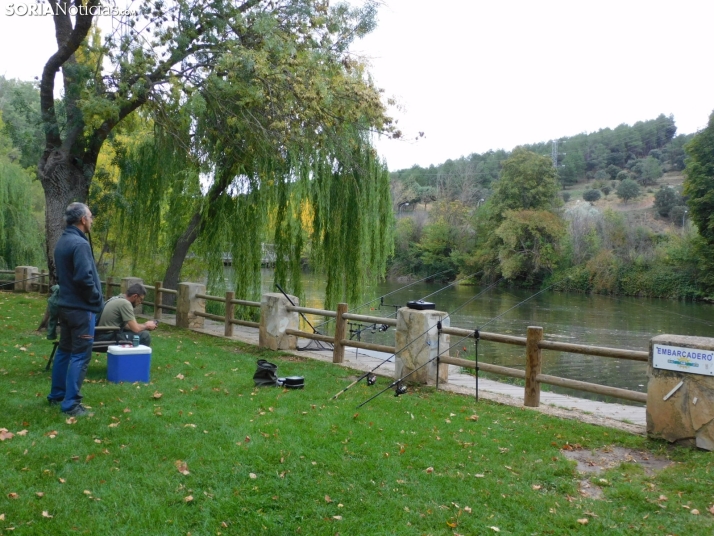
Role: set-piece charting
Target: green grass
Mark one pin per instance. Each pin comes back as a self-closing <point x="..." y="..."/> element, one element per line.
<point x="272" y="461"/>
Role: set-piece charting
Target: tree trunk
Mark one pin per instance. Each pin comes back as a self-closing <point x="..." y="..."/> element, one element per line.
<point x="63" y="182"/>
<point x="173" y="271"/>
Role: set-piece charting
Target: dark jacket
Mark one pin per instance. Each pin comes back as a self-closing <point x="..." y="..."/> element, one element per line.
<point x="76" y="272"/>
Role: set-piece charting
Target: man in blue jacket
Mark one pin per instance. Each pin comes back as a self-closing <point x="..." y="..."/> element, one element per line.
<point x="80" y="299"/>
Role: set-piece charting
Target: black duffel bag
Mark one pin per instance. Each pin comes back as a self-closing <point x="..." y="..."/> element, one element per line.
<point x="265" y="374"/>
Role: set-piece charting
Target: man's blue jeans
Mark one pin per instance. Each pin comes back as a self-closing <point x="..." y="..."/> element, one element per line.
<point x="72" y="357"/>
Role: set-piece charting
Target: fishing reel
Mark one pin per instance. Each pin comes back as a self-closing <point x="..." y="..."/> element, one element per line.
<point x="400" y="390"/>
<point x="371" y="379"/>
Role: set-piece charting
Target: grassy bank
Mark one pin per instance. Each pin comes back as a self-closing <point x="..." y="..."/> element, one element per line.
<point x="201" y="451"/>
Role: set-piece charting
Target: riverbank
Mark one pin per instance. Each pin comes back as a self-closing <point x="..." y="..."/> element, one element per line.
<point x="200" y="450"/>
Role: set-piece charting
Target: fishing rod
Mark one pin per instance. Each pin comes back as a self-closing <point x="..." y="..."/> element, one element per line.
<point x="401" y="389"/>
<point x="293" y="304"/>
<point x="371" y="379"/>
<point x="381" y="298"/>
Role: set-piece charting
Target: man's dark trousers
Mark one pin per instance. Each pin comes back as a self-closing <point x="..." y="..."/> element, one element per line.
<point x="72" y="358"/>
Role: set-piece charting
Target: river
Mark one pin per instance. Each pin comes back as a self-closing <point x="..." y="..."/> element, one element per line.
<point x="618" y="322"/>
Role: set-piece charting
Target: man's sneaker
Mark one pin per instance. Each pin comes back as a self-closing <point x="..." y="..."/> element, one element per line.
<point x="54" y="401"/>
<point x="77" y="411"/>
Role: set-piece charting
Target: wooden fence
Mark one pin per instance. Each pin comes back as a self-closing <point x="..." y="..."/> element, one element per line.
<point x="533" y="342"/>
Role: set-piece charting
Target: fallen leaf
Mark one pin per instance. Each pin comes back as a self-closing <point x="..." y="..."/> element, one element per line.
<point x="182" y="467"/>
<point x="71" y="420"/>
<point x="61" y="480"/>
<point x="495" y="529"/>
<point x="247" y="439"/>
<point x="253" y="476"/>
<point x="479" y="475"/>
<point x="451" y="524"/>
<point x="180" y="376"/>
<point x="188" y="499"/>
<point x="89" y="458"/>
<point x="662" y="498"/>
<point x="467" y="509"/>
<point x="46" y="514"/>
<point x="87" y="492"/>
<point x="695" y="512"/>
<point x="4" y="434"/>
<point x="114" y="425"/>
<point x="472" y="418"/>
<point x="12" y="495"/>
<point x="583" y="521"/>
<point x="157" y="395"/>
<point x="127" y="410"/>
<point x="338" y="518"/>
<point x="711" y="509"/>
<point x="2" y="517"/>
<point x="21" y="433"/>
<point x="429" y="470"/>
<point x="327" y="499"/>
<point x="536" y="487"/>
<point x="40" y="494"/>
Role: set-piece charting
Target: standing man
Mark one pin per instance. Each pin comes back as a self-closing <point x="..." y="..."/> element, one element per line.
<point x="80" y="299"/>
<point x="119" y="313"/>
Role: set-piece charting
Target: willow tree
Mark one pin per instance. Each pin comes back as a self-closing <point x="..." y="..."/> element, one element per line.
<point x="274" y="147"/>
<point x="159" y="56"/>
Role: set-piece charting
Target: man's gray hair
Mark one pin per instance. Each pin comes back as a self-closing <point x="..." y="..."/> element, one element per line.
<point x="136" y="288"/>
<point x="75" y="212"/>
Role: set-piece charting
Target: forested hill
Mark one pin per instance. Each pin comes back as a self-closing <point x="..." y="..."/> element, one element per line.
<point x="640" y="152"/>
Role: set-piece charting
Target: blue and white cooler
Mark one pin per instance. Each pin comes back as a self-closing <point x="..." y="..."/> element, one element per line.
<point x="128" y="363"/>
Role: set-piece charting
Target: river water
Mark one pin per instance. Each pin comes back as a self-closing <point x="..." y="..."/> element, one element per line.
<point x="618" y="322"/>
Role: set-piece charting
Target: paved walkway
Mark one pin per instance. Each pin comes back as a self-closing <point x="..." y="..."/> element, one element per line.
<point x="624" y="417"/>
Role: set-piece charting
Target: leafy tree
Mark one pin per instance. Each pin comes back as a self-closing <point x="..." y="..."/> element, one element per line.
<point x="612" y="171"/>
<point x="20" y="107"/>
<point x="627" y="189"/>
<point x="665" y="199"/>
<point x="175" y="51"/>
<point x="566" y="196"/>
<point x="591" y="196"/>
<point x="699" y="181"/>
<point x="650" y="171"/>
<point x="605" y="190"/>
<point x="20" y="237"/>
<point x="622" y="175"/>
<point x="678" y="214"/>
<point x="528" y="182"/>
<point x="529" y="246"/>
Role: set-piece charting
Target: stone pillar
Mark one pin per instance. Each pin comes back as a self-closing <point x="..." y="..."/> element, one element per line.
<point x="26" y="278"/>
<point x="189" y="304"/>
<point x="275" y="319"/>
<point x="680" y="390"/>
<point x="416" y="344"/>
<point x="126" y="282"/>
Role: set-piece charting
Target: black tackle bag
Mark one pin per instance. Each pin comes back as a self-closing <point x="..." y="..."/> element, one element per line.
<point x="265" y="374"/>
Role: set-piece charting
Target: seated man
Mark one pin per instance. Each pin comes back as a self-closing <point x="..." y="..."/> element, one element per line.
<point x="119" y="313"/>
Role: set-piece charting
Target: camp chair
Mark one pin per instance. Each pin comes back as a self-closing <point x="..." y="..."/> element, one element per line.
<point x="97" y="346"/>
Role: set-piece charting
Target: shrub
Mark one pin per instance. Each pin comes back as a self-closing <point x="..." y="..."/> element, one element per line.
<point x="591" y="196"/>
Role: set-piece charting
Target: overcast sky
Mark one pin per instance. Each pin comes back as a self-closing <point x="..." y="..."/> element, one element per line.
<point x="474" y="75"/>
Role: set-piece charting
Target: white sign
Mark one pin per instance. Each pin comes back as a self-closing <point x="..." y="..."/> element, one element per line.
<point x="690" y="360"/>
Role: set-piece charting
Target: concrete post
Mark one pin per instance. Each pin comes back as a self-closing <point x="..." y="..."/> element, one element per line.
<point x="680" y="390"/>
<point x="275" y="319"/>
<point x="417" y="342"/>
<point x="25" y="277"/>
<point x="188" y="304"/>
<point x="126" y="282"/>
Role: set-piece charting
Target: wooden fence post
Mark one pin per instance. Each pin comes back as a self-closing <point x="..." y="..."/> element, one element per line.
<point x="338" y="354"/>
<point x="108" y="290"/>
<point x="158" y="299"/>
<point x="532" y="393"/>
<point x="230" y="313"/>
<point x="43" y="274"/>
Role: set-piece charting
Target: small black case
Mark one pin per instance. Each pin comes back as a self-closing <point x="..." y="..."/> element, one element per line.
<point x="421" y="305"/>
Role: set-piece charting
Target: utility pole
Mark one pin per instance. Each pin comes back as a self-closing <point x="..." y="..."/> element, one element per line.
<point x="554" y="153"/>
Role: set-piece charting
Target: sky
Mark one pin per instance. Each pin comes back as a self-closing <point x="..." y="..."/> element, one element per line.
<point x="476" y="75"/>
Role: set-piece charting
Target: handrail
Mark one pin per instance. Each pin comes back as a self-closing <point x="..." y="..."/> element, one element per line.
<point x="371" y="319"/>
<point x="310" y="311"/>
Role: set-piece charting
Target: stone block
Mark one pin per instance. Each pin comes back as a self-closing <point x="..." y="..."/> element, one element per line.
<point x="687" y="416"/>
<point x="417" y="344"/>
<point x="189" y="304"/>
<point x="26" y="277"/>
<point x="275" y="319"/>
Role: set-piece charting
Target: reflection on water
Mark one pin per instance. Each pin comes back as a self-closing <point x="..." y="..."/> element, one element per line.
<point x="618" y="322"/>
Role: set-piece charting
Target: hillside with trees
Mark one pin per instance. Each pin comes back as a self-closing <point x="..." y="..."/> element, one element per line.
<point x="600" y="212"/>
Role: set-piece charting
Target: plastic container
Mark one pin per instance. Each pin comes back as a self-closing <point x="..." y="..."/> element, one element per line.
<point x="128" y="364"/>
